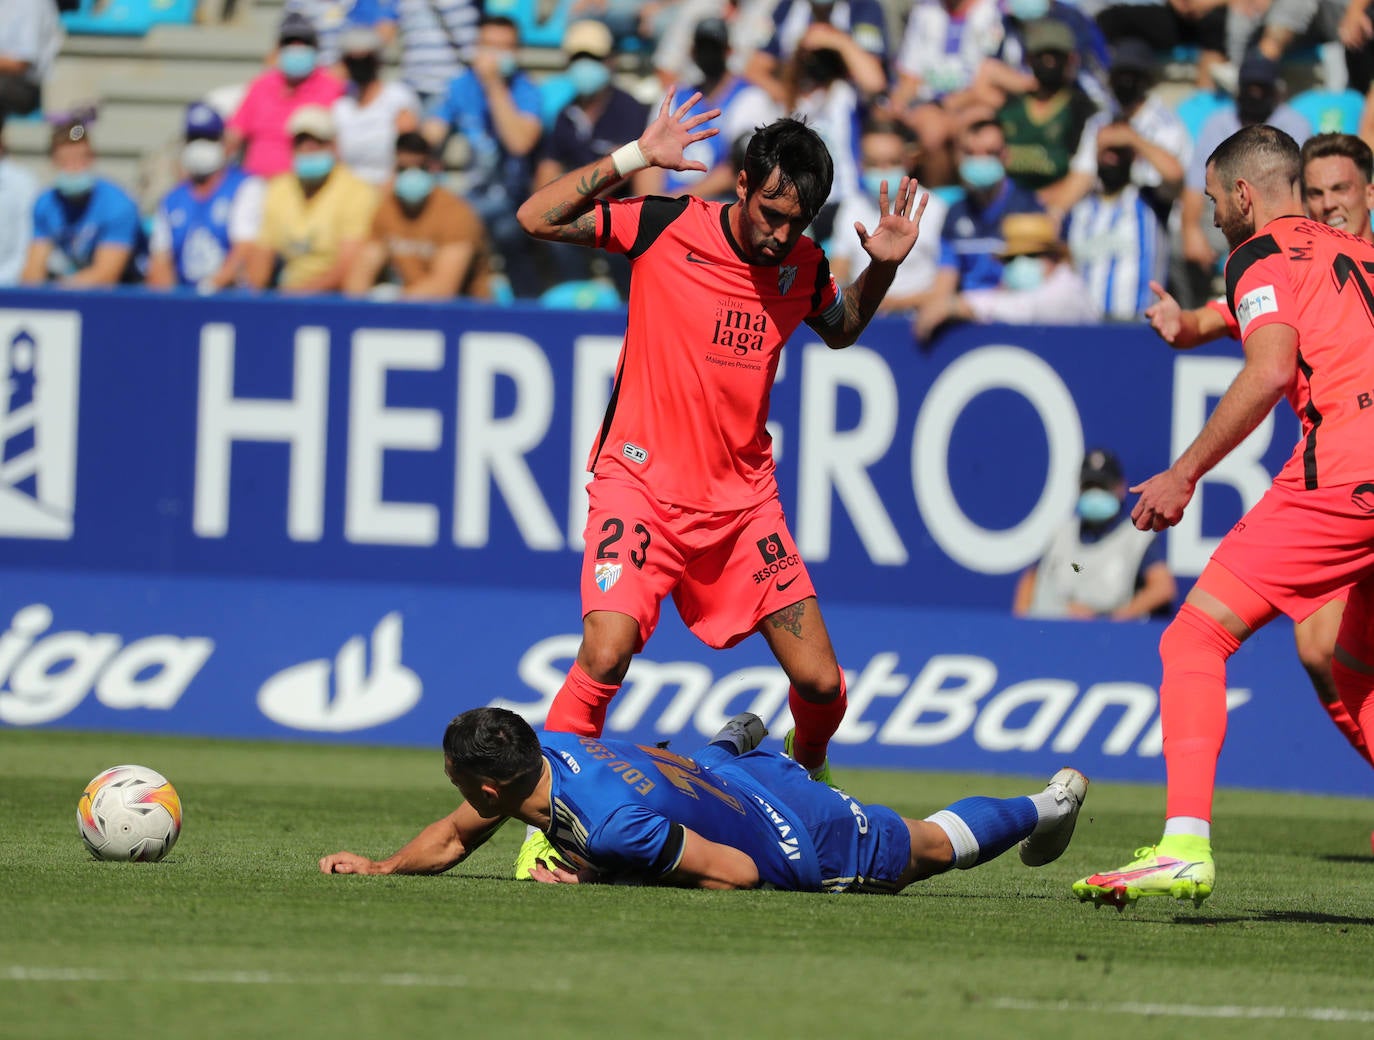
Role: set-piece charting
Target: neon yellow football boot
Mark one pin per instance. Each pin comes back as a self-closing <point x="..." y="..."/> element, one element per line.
<point x="537" y="848"/>
<point x="1180" y="866"/>
<point x="821" y="773"/>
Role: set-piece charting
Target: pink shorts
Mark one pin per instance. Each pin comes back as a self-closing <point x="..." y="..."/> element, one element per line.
<point x="1298" y="549"/>
<point x="725" y="571"/>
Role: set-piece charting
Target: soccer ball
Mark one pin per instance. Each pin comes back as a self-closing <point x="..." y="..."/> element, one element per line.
<point x="129" y="813"/>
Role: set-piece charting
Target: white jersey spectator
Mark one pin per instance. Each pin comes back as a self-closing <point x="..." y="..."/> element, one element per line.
<point x="18" y="190"/>
<point x="943" y="53"/>
<point x="1157" y="123"/>
<point x="30" y="37"/>
<point x="370" y="116"/>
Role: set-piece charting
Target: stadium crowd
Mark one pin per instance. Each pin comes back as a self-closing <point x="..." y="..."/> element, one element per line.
<point x="386" y="144"/>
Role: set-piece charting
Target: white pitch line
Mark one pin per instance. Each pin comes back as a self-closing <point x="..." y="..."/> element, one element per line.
<point x="20" y="973"/>
<point x="1317" y="1014"/>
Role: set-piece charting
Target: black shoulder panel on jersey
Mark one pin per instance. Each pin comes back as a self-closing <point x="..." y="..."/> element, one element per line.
<point x="671" y="855"/>
<point x="822" y="280"/>
<point x="604" y="238"/>
<point x="1254" y="250"/>
<point x="655" y="214"/>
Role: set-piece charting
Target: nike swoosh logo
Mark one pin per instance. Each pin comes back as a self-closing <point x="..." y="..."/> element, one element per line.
<point x="692" y="258"/>
<point x="782" y="585"/>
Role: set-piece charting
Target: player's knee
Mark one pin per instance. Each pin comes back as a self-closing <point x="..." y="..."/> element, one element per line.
<point x="1314" y="653"/>
<point x="823" y="686"/>
<point x="605" y="662"/>
<point x="1195" y="634"/>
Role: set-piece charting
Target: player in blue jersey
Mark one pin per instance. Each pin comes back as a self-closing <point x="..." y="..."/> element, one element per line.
<point x="729" y="817"/>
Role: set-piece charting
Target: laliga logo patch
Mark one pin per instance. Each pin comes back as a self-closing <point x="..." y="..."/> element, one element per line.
<point x="787" y="274"/>
<point x="1363" y="497"/>
<point x="607" y="574"/>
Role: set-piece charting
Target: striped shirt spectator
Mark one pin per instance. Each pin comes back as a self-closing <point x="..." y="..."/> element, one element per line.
<point x="436" y="36"/>
<point x="1118" y="246"/>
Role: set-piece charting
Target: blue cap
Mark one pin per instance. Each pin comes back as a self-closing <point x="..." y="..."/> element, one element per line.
<point x="203" y="121"/>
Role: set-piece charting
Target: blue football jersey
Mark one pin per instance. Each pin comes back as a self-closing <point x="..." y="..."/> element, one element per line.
<point x="198" y="228"/>
<point x="616" y="805"/>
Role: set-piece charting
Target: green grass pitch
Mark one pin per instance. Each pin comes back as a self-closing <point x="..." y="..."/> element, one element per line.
<point x="236" y="934"/>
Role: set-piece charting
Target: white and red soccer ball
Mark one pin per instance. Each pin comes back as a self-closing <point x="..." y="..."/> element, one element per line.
<point x="129" y="813"/>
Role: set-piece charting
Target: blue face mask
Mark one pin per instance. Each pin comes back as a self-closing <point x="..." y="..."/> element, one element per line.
<point x="1028" y="10"/>
<point x="981" y="171"/>
<point x="588" y="76"/>
<point x="413" y="185"/>
<point x="1023" y="272"/>
<point x="873" y="180"/>
<point x="74" y="185"/>
<point x="1098" y="505"/>
<point x="296" y="61"/>
<point x="507" y="65"/>
<point x="312" y="166"/>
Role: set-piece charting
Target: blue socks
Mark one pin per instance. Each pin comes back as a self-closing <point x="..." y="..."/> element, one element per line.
<point x="982" y="828"/>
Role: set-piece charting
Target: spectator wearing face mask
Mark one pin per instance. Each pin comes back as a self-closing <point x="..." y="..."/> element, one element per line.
<point x="1259" y="100"/>
<point x="888" y="152"/>
<point x="598" y="119"/>
<point x="494" y="108"/>
<point x="1043" y="126"/>
<point x="1116" y="239"/>
<point x="258" y="127"/>
<point x="1039" y="285"/>
<point x="743" y="106"/>
<point x="1141" y="122"/>
<point x="373" y="112"/>
<point x="332" y="19"/>
<point x="316" y="218"/>
<point x="426" y="243"/>
<point x="86" y="229"/>
<point x="971" y="236"/>
<point x="204" y="228"/>
<point x="1098" y="565"/>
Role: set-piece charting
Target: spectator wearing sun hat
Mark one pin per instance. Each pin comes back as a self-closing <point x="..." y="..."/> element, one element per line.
<point x="204" y="227"/>
<point x="315" y="218"/>
<point x="258" y="127"/>
<point x="1039" y="284"/>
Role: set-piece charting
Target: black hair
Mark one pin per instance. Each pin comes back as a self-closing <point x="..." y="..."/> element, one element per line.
<point x="1261" y="154"/>
<point x="799" y="155"/>
<point x="498" y="19"/>
<point x="493" y="744"/>
<point x="413" y="143"/>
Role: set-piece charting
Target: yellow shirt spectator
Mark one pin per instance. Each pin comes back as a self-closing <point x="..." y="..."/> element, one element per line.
<point x="309" y="234"/>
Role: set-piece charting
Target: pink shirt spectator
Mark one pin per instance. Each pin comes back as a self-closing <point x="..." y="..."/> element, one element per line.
<point x="261" y="117"/>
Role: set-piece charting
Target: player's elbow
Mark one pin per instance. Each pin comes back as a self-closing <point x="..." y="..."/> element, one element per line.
<point x="531" y="221"/>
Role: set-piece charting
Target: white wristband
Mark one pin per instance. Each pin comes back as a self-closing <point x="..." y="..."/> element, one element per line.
<point x="628" y="158"/>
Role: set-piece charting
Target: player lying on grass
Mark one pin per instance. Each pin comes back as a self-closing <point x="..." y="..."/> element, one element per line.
<point x="730" y="817"/>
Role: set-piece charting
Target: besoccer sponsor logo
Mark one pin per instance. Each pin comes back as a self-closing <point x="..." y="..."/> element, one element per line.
<point x="39" y="365"/>
<point x="607" y="574"/>
<point x="1254" y="303"/>
<point x="776" y="558"/>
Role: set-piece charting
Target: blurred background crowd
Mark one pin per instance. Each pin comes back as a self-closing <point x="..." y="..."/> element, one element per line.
<point x="380" y="148"/>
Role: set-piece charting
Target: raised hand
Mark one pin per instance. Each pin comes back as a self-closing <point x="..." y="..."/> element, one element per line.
<point x="668" y="136"/>
<point x="897" y="229"/>
<point x="1165" y="315"/>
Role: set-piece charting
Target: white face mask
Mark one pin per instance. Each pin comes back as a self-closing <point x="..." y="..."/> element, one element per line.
<point x="201" y="158"/>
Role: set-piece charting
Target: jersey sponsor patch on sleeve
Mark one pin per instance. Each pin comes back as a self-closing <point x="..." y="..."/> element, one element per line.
<point x="1254" y="303"/>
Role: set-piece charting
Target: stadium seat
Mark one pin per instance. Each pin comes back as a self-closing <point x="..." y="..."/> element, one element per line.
<point x="591" y="294"/>
<point x="127" y="17"/>
<point x="1330" y="111"/>
<point x="1197" y="108"/>
<point x="542" y="22"/>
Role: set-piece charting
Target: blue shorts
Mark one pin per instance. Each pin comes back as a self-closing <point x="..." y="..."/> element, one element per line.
<point x="858" y="848"/>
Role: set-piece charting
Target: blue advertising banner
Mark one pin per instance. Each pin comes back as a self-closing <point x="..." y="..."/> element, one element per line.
<point x="347" y="521"/>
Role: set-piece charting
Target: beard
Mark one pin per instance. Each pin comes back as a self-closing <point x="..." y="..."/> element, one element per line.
<point x="1236" y="228"/>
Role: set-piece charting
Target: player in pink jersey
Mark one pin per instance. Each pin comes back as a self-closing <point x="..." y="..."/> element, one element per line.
<point x="1301" y="292"/>
<point x="683" y="500"/>
<point x="1337" y="170"/>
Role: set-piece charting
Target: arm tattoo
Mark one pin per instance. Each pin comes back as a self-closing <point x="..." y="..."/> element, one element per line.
<point x="580" y="231"/>
<point x="789" y="618"/>
<point x="572" y="220"/>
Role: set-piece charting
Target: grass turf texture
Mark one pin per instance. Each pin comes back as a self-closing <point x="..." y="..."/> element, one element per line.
<point x="236" y="934"/>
